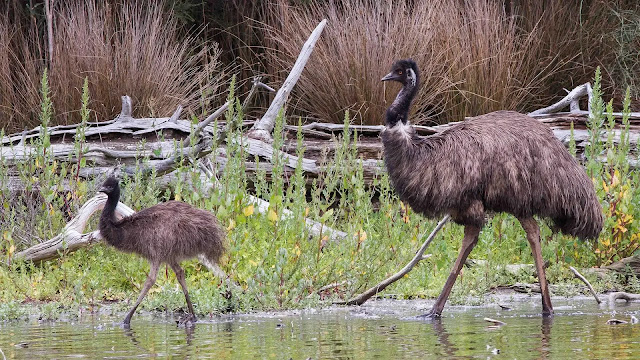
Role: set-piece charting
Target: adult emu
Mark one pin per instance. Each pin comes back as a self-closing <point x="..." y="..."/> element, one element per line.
<point x="165" y="233"/>
<point x="499" y="162"/>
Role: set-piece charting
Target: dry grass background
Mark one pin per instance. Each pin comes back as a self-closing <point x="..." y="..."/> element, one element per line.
<point x="475" y="56"/>
<point x="20" y="72"/>
<point x="129" y="48"/>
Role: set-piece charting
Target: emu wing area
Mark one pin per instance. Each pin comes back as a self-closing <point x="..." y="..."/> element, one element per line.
<point x="502" y="161"/>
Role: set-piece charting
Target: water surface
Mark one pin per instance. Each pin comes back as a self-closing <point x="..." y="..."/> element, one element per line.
<point x="379" y="330"/>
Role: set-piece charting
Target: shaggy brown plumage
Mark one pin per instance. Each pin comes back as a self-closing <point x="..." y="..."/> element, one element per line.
<point x="499" y="162"/>
<point x="168" y="233"/>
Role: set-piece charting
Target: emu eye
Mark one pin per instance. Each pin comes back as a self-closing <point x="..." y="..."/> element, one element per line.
<point x="399" y="72"/>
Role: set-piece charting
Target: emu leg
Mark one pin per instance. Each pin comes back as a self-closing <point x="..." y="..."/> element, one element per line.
<point x="151" y="279"/>
<point x="180" y="275"/>
<point x="468" y="243"/>
<point x="530" y="226"/>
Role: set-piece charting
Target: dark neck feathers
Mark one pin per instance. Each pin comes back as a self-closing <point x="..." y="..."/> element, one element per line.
<point x="108" y="221"/>
<point x="399" y="109"/>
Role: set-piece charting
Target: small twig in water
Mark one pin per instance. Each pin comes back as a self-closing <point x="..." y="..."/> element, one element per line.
<point x="582" y="278"/>
<point x="496" y="322"/>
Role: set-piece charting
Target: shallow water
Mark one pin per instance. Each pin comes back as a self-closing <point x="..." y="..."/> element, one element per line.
<point x="380" y="330"/>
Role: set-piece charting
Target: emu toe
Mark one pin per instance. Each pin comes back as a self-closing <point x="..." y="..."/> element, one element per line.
<point x="187" y="320"/>
<point x="127" y="322"/>
<point x="430" y="315"/>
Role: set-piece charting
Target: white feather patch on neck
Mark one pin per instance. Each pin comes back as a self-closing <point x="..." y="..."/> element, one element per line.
<point x="412" y="76"/>
<point x="404" y="130"/>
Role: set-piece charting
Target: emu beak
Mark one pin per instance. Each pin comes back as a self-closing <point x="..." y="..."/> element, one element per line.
<point x="103" y="189"/>
<point x="389" y="76"/>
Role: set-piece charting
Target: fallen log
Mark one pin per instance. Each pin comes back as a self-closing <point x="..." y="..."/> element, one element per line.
<point x="369" y="146"/>
<point x="72" y="236"/>
<point x="620" y="295"/>
<point x="572" y="100"/>
<point x="628" y="265"/>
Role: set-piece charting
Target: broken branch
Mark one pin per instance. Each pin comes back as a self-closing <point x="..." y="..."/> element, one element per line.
<point x="623" y="296"/>
<point x="362" y="298"/>
<point x="584" y="280"/>
<point x="570" y="100"/>
<point x="263" y="127"/>
<point x="72" y="237"/>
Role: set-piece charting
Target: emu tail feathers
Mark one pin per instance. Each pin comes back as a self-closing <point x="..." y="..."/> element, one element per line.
<point x="584" y="222"/>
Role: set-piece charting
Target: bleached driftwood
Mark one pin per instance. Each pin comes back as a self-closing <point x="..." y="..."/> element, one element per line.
<point x="126" y="114"/>
<point x="494" y="321"/>
<point x="586" y="282"/>
<point x="257" y="84"/>
<point x="316" y="229"/>
<point x="362" y="298"/>
<point x="572" y="100"/>
<point x="620" y="295"/>
<point x="176" y="114"/>
<point x="369" y="146"/>
<point x="198" y="130"/>
<point x="72" y="237"/>
<point x="262" y="128"/>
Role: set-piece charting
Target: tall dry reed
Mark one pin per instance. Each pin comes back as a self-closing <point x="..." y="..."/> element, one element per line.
<point x="131" y="48"/>
<point x="20" y="71"/>
<point x="361" y="40"/>
<point x="475" y="56"/>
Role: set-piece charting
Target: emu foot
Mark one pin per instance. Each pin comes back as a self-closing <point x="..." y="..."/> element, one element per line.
<point x="430" y="315"/>
<point x="187" y="321"/>
<point x="126" y="324"/>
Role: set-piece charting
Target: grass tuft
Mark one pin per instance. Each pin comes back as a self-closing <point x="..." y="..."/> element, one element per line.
<point x="126" y="48"/>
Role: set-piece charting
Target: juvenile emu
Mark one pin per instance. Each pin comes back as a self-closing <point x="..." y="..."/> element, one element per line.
<point x="165" y="233"/>
<point x="499" y="162"/>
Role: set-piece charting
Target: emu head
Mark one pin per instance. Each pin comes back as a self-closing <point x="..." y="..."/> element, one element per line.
<point x="111" y="187"/>
<point x="403" y="71"/>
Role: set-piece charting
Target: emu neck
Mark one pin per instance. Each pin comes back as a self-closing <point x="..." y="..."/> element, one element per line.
<point x="399" y="109"/>
<point x="108" y="219"/>
<point x="109" y="211"/>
